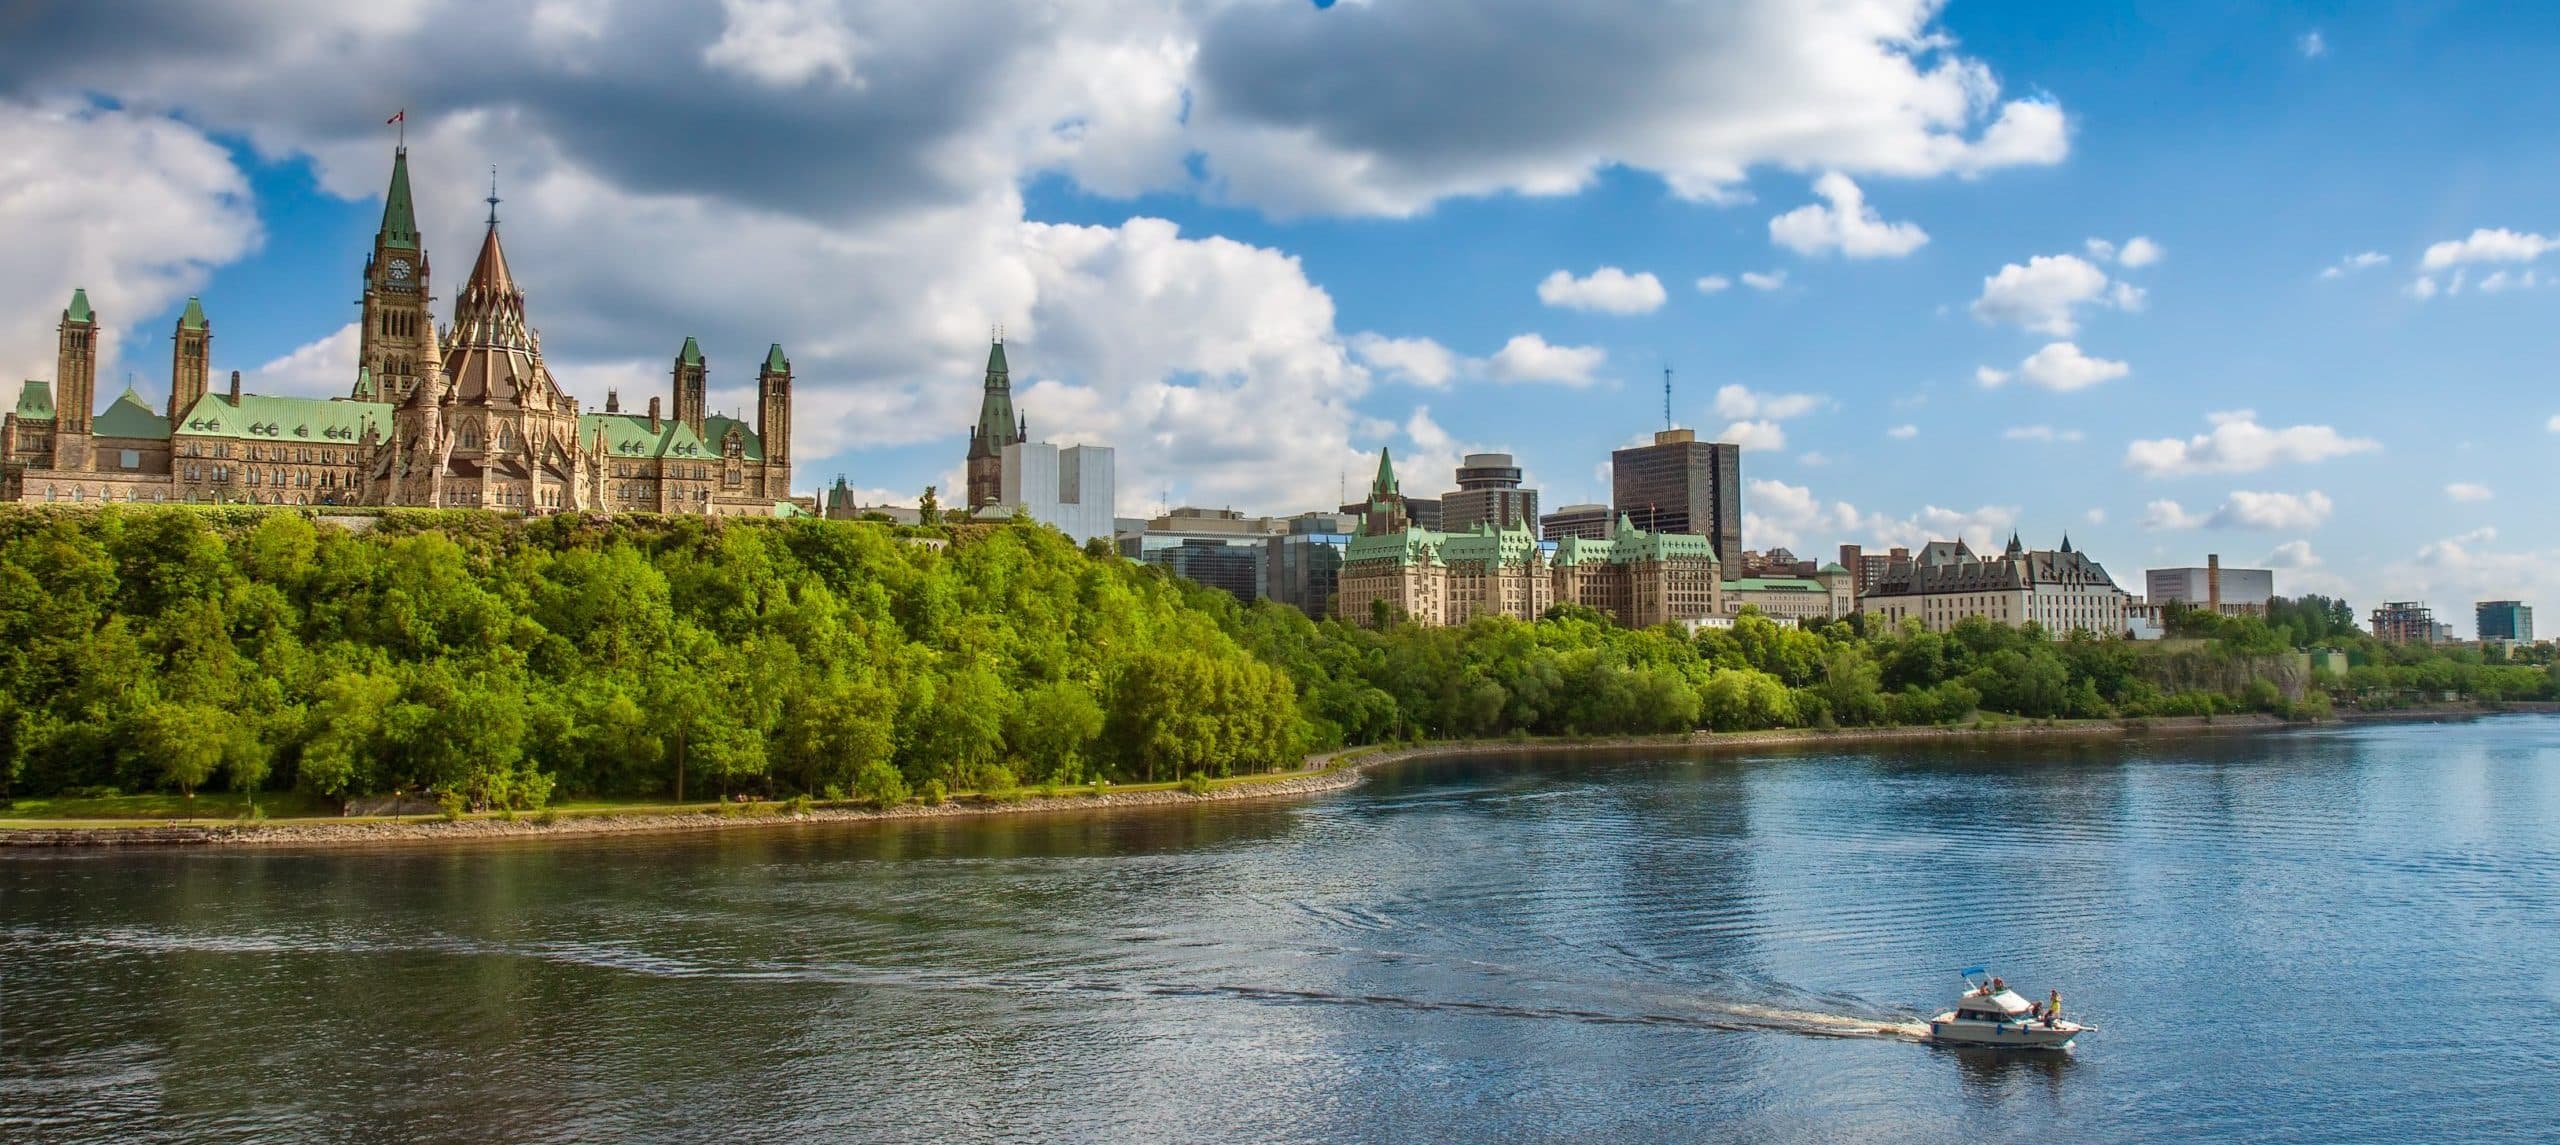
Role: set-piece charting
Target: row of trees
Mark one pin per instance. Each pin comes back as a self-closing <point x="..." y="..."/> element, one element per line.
<point x="495" y="662"/>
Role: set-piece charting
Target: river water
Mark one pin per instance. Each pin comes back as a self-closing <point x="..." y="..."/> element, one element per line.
<point x="2329" y="935"/>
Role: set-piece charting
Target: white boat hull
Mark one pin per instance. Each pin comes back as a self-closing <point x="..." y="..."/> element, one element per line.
<point x="1947" y="1029"/>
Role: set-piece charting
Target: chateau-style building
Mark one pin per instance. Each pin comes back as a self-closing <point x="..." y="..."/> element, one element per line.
<point x="463" y="415"/>
<point x="1946" y="583"/>
<point x="1434" y="578"/>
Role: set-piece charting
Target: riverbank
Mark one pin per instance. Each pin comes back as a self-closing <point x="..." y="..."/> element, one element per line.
<point x="1332" y="771"/>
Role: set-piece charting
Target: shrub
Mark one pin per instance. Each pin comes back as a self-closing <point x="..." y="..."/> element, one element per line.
<point x="879" y="783"/>
<point x="1196" y="783"/>
<point x="935" y="794"/>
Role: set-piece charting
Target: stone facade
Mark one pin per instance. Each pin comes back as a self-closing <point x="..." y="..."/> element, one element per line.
<point x="467" y="415"/>
<point x="1434" y="578"/>
<point x="1946" y="583"/>
<point x="998" y="426"/>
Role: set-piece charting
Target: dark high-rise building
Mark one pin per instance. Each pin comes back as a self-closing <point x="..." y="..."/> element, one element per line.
<point x="2510" y="620"/>
<point x="1589" y="522"/>
<point x="1232" y="566"/>
<point x="1680" y="484"/>
<point x="1489" y="493"/>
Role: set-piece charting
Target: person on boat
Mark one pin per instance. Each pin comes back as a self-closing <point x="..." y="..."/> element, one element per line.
<point x="1996" y="987"/>
<point x="2053" y="1009"/>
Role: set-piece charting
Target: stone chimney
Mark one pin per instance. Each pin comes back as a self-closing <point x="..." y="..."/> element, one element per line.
<point x="613" y="401"/>
<point x="235" y="389"/>
<point x="654" y="424"/>
<point x="2213" y="583"/>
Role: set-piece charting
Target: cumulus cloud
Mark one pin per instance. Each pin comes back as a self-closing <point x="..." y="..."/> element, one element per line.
<point x="1714" y="284"/>
<point x="325" y="368"/>
<point x="1530" y="358"/>
<point x="2046" y="293"/>
<point x="1738" y="401"/>
<point x="1764" y="282"/>
<point x="2468" y="567"/>
<point x="1420" y="361"/>
<point x="2468" y="491"/>
<point x="2482" y="245"/>
<point x="2276" y="512"/>
<point x="1794" y="517"/>
<point x="2312" y="44"/>
<point x="1762" y="434"/>
<point x="2292" y="555"/>
<point x="2238" y="444"/>
<point x="1608" y="290"/>
<point x="2060" y="367"/>
<point x="2135" y="252"/>
<point x="1903" y="432"/>
<point x="2362" y="260"/>
<point x="784" y="43"/>
<point x="2041" y="433"/>
<point x="135" y="207"/>
<point x="1844" y="224"/>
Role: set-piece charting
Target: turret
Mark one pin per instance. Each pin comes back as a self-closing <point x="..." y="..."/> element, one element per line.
<point x="189" y="372"/>
<point x="396" y="335"/>
<point x="75" y="374"/>
<point x="997" y="427"/>
<point x="691" y="374"/>
<point x="773" y="420"/>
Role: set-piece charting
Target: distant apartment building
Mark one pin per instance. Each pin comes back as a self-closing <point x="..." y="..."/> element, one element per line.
<point x="1489" y="493"/>
<point x="1680" y="484"/>
<point x="1828" y="594"/>
<point x="1594" y="522"/>
<point x="1866" y="568"/>
<point x="1946" y="583"/>
<point x="2404" y="622"/>
<point x="2509" y="621"/>
<point x="2213" y="588"/>
<point x="1777" y="562"/>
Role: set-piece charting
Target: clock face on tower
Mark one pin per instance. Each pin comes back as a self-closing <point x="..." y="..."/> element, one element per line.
<point x="399" y="270"/>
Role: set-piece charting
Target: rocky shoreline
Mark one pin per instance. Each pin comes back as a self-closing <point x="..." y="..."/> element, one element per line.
<point x="1324" y="773"/>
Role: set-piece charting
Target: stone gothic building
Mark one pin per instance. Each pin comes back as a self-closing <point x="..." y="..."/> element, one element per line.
<point x="1432" y="578"/>
<point x="998" y="426"/>
<point x="466" y="415"/>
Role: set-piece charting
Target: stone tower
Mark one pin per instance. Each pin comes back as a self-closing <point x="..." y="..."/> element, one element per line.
<point x="398" y="333"/>
<point x="691" y="374"/>
<point x="773" y="421"/>
<point x="190" y="371"/>
<point x="75" y="373"/>
<point x="997" y="428"/>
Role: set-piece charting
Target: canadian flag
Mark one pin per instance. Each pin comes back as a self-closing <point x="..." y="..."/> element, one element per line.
<point x="401" y="117"/>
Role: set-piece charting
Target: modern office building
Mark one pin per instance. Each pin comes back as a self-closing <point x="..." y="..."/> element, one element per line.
<point x="1945" y="583"/>
<point x="1592" y="521"/>
<point x="2230" y="592"/>
<point x="2510" y="621"/>
<point x="1489" y="493"/>
<point x="2404" y="622"/>
<point x="1303" y="568"/>
<point x="1234" y="567"/>
<point x="1071" y="489"/>
<point x="1680" y="484"/>
<point x="1827" y="594"/>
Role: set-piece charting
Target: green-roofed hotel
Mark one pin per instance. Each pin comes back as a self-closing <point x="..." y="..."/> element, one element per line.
<point x="466" y="415"/>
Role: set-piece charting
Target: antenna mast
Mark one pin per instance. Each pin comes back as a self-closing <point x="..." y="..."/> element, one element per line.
<point x="1666" y="397"/>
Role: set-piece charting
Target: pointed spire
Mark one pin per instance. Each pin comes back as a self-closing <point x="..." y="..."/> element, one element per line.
<point x="364" y="384"/>
<point x="193" y="318"/>
<point x="399" y="212"/>
<point x="691" y="355"/>
<point x="774" y="361"/>
<point x="79" y="309"/>
<point x="1385" y="482"/>
<point x="996" y="371"/>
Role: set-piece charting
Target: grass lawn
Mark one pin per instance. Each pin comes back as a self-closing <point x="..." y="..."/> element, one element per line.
<point x="166" y="805"/>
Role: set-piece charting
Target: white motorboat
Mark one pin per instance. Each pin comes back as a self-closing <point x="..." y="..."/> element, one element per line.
<point x="1991" y="1014"/>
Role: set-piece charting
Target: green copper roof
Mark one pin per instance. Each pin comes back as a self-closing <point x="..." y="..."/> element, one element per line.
<point x="1386" y="480"/>
<point x="128" y="417"/>
<point x="776" y="363"/>
<point x="79" y="310"/>
<point x="399" y="214"/>
<point x="995" y="360"/>
<point x="256" y="417"/>
<point x="627" y="436"/>
<point x="364" y="384"/>
<point x="691" y="355"/>
<point x="1629" y="545"/>
<point x="996" y="425"/>
<point x="35" y="402"/>
<point x="193" y="319"/>
<point x="1776" y="584"/>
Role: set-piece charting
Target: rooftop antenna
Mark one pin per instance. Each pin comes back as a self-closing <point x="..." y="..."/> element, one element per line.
<point x="493" y="195"/>
<point x="1666" y="398"/>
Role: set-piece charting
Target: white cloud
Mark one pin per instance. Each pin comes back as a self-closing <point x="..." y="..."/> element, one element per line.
<point x="2554" y="424"/>
<point x="2062" y="368"/>
<point x="322" y="369"/>
<point x="1903" y="432"/>
<point x="2501" y="280"/>
<point x="2362" y="260"/>
<point x="2486" y="245"/>
<point x="1813" y="457"/>
<point x="2045" y="294"/>
<point x="1764" y="282"/>
<point x="1763" y="434"/>
<point x="2238" y="444"/>
<point x="2041" y="433"/>
<point x="136" y="208"/>
<point x="1420" y="361"/>
<point x="2312" y="44"/>
<point x="2292" y="555"/>
<point x="2465" y="568"/>
<point x="2421" y="288"/>
<point x="2468" y="491"/>
<point x="1989" y="377"/>
<point x="1530" y="358"/>
<point x="1608" y="290"/>
<point x="2244" y="509"/>
<point x="783" y="43"/>
<point x="2095" y="516"/>
<point x="1792" y="516"/>
<point x="2138" y="252"/>
<point x="1737" y="401"/>
<point x="1846" y="225"/>
<point x="1714" y="284"/>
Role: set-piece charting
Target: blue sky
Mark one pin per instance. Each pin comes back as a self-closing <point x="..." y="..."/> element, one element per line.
<point x="1249" y="243"/>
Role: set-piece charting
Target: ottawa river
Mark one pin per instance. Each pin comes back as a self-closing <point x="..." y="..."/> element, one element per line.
<point x="2350" y="933"/>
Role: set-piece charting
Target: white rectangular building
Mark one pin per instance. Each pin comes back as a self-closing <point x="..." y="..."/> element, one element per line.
<point x="1071" y="489"/>
<point x="2242" y="589"/>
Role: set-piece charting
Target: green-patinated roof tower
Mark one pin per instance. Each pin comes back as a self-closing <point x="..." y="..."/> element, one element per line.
<point x="399" y="212"/>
